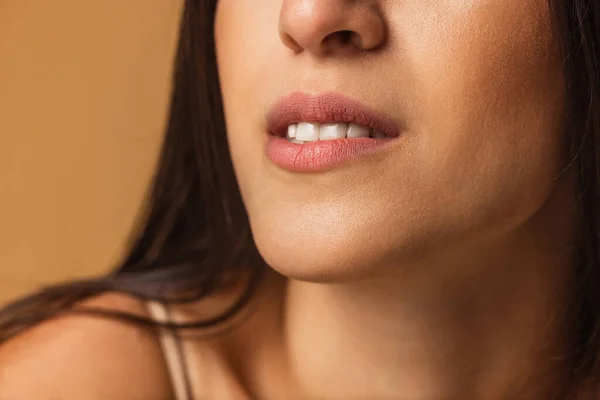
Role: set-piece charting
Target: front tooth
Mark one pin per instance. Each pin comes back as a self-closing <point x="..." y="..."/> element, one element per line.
<point x="355" y="131"/>
<point x="291" y="132"/>
<point x="332" y="131"/>
<point x="307" y="132"/>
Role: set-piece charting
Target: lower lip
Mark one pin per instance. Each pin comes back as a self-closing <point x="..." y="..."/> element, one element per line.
<point x="320" y="155"/>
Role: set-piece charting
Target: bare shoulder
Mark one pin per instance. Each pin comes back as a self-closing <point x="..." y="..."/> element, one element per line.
<point x="86" y="357"/>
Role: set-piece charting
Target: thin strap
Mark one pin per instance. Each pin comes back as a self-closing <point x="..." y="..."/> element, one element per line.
<point x="172" y="351"/>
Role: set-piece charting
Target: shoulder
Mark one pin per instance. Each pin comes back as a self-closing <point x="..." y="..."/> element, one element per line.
<point x="77" y="356"/>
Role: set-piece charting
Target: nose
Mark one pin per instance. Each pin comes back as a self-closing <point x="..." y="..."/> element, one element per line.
<point x="324" y="26"/>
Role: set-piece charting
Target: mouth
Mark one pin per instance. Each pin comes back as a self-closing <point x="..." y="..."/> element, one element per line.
<point x="304" y="118"/>
<point x="315" y="133"/>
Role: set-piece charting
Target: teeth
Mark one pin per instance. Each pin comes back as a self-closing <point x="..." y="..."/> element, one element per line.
<point x="307" y="132"/>
<point x="291" y="133"/>
<point x="333" y="131"/>
<point x="355" y="131"/>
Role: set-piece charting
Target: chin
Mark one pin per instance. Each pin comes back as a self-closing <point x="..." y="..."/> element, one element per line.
<point x="333" y="255"/>
<point x="319" y="265"/>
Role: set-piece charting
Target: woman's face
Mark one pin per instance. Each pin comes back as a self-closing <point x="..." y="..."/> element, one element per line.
<point x="473" y="87"/>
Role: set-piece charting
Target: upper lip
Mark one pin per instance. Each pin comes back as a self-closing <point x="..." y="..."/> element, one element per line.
<point x="328" y="107"/>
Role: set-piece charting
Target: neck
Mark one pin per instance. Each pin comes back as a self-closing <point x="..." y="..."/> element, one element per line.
<point x="485" y="321"/>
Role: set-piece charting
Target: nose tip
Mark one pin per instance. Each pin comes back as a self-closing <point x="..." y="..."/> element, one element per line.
<point x="322" y="26"/>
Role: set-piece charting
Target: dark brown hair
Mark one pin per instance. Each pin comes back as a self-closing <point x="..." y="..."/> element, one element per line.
<point x="194" y="235"/>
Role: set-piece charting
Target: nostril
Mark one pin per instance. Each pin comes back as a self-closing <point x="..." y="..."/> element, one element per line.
<point x="341" y="37"/>
<point x="345" y="36"/>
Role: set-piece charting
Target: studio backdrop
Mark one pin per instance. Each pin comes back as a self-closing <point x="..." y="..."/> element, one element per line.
<point x="84" y="91"/>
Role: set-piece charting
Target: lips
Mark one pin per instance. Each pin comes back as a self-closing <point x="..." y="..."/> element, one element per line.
<point x="322" y="155"/>
<point x="326" y="108"/>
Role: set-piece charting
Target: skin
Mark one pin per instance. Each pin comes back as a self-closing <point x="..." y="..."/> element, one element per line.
<point x="445" y="256"/>
<point x="437" y="269"/>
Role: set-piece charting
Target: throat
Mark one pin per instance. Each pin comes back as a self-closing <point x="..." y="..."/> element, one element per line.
<point x="462" y="340"/>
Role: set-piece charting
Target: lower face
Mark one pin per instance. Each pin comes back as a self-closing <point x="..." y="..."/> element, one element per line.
<point x="476" y="90"/>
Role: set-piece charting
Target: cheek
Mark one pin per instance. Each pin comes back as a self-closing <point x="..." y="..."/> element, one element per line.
<point x="245" y="69"/>
<point x="247" y="47"/>
<point x="490" y="108"/>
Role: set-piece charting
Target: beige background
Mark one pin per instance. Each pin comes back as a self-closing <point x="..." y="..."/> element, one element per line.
<point x="83" y="95"/>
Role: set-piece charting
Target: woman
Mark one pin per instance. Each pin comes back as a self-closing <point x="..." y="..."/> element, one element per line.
<point x="364" y="199"/>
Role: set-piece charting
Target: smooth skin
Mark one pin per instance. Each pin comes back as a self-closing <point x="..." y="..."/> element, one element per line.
<point x="437" y="269"/>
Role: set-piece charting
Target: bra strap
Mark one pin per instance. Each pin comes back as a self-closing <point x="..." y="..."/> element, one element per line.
<point x="170" y="344"/>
